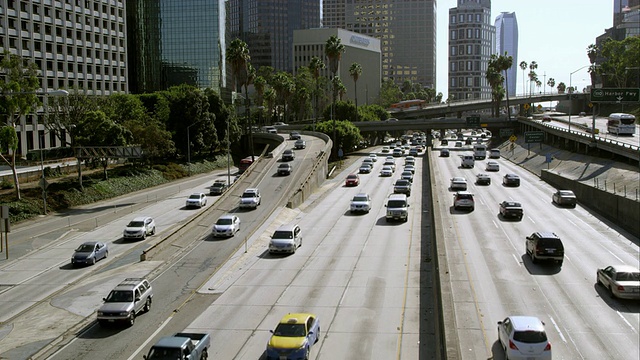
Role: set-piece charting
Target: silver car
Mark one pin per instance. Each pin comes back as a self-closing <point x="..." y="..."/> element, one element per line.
<point x="139" y="228"/>
<point x="126" y="301"/>
<point x="250" y="199"/>
<point x="622" y="281"/>
<point x="360" y="203"/>
<point x="196" y="200"/>
<point x="564" y="198"/>
<point x="524" y="337"/>
<point x="226" y="226"/>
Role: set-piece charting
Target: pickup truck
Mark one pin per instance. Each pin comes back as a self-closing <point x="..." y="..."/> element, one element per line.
<point x="181" y="346"/>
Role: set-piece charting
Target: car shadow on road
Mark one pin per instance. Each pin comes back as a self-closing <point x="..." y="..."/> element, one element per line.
<point x="77" y="211"/>
<point x="541" y="268"/>
<point x="497" y="351"/>
<point x="382" y="221"/>
<point x="354" y="214"/>
<point x="454" y="211"/>
<point x="620" y="305"/>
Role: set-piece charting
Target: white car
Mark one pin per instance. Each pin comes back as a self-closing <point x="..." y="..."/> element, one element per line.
<point x="622" y="281"/>
<point x="196" y="200"/>
<point x="373" y="157"/>
<point x="139" y="228"/>
<point x="386" y="171"/>
<point x="493" y="166"/>
<point x="410" y="168"/>
<point x="360" y="203"/>
<point x="226" y="226"/>
<point x="250" y="199"/>
<point x="458" y="183"/>
<point x="524" y="337"/>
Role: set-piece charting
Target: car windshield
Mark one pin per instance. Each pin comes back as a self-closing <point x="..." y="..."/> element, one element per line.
<point x="85" y="248"/>
<point x="136" y="224"/>
<point x="396" y="204"/>
<point x="402" y="183"/>
<point x="628" y="276"/>
<point x="290" y="330"/>
<point x="464" y="197"/>
<point x="284" y="166"/>
<point x="360" y="198"/>
<point x="119" y="296"/>
<point x="530" y="337"/>
<point x="195" y="197"/>
<point x="248" y="195"/>
<point x="512" y="204"/>
<point x="550" y="243"/>
<point x="351" y="177"/>
<point x="224" y="221"/>
<point x="566" y="193"/>
<point x="218" y="184"/>
<point x="158" y="353"/>
<point x="282" y="235"/>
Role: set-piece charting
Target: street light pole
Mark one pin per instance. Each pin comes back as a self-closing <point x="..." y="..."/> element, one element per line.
<point x="571" y="94"/>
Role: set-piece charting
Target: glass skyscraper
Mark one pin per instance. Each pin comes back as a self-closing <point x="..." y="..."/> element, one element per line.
<point x="507" y="42"/>
<point x="173" y="42"/>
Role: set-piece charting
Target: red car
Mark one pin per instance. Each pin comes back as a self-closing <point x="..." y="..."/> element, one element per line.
<point x="352" y="180"/>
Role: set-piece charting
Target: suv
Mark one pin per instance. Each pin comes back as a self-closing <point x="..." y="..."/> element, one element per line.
<point x="463" y="199"/>
<point x="402" y="186"/>
<point x="286" y="238"/>
<point x="468" y="161"/>
<point x="397" y="207"/>
<point x="125" y="301"/>
<point x="545" y="246"/>
<point x="139" y="228"/>
<point x="250" y="199"/>
<point x="218" y="187"/>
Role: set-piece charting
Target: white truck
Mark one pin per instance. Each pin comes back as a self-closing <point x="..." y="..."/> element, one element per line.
<point x="480" y="151"/>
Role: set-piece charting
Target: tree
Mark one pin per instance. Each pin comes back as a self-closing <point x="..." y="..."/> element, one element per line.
<point x="18" y="84"/>
<point x="314" y="67"/>
<point x="238" y="57"/>
<point x="622" y="62"/>
<point x="551" y="82"/>
<point x="390" y="93"/>
<point x="355" y="70"/>
<point x="523" y="66"/>
<point x="561" y="87"/>
<point x="533" y="77"/>
<point x="333" y="50"/>
<point x="497" y="65"/>
<point x="347" y="134"/>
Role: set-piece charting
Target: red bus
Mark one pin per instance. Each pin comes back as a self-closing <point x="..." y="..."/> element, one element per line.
<point x="244" y="164"/>
<point x="414" y="104"/>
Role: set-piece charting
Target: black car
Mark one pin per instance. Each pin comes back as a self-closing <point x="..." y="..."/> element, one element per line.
<point x="218" y="187"/>
<point x="295" y="136"/>
<point x="284" y="169"/>
<point x="300" y="144"/>
<point x="545" y="246"/>
<point x="511" y="180"/>
<point x="288" y="155"/>
<point x="511" y="209"/>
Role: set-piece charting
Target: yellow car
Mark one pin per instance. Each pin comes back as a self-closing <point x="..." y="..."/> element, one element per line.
<point x="293" y="337"/>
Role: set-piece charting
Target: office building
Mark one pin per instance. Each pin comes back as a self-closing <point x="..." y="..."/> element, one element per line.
<point x="406" y="30"/>
<point x="174" y="42"/>
<point x="359" y="48"/>
<point x="77" y="45"/>
<point x="471" y="43"/>
<point x="506" y="26"/>
<point x="267" y="27"/>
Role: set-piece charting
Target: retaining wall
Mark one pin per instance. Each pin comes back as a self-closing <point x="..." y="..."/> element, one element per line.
<point x="317" y="175"/>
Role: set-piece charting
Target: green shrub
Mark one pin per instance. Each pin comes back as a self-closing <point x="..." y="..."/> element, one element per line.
<point x="4" y="185"/>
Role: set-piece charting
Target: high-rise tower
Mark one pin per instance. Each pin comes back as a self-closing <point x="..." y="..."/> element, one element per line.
<point x="507" y="42"/>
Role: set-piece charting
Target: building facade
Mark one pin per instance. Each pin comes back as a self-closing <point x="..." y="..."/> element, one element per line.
<point x="267" y="27"/>
<point x="506" y="26"/>
<point x="471" y="43"/>
<point x="174" y="42"/>
<point x="361" y="49"/>
<point x="406" y="30"/>
<point x="77" y="45"/>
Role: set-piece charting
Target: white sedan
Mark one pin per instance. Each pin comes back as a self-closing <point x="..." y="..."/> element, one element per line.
<point x="386" y="171"/>
<point x="493" y="166"/>
<point x="226" y="226"/>
<point x="622" y="281"/>
<point x="196" y="200"/>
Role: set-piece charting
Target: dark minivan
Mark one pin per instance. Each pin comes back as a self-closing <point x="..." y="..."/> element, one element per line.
<point x="545" y="246"/>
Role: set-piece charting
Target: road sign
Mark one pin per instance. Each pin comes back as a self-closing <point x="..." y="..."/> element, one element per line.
<point x="531" y="137"/>
<point x="513" y="138"/>
<point x="615" y="95"/>
<point x="473" y="121"/>
<point x="526" y="106"/>
<point x="506" y="132"/>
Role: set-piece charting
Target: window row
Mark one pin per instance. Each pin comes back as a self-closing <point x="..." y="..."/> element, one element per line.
<point x="469" y="50"/>
<point x="48" y="47"/>
<point x="45" y="10"/>
<point x="462" y="81"/>
<point x="34" y="27"/>
<point x="460" y="34"/>
<point x="86" y="85"/>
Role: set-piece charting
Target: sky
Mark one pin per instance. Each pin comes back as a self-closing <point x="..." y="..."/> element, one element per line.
<point x="553" y="33"/>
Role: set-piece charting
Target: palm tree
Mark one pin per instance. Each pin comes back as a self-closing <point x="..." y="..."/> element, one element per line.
<point x="238" y="57"/>
<point x="355" y="70"/>
<point x="504" y="63"/>
<point x="333" y="50"/>
<point x="532" y="74"/>
<point x="523" y="66"/>
<point x="315" y="66"/>
<point x="551" y="83"/>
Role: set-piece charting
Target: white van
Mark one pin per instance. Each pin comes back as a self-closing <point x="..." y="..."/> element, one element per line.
<point x="480" y="151"/>
<point x="397" y="207"/>
<point x="468" y="161"/>
<point x="494" y="153"/>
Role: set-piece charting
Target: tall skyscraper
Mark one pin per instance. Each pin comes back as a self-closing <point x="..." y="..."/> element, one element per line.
<point x="406" y="29"/>
<point x="267" y="27"/>
<point x="173" y="42"/>
<point x="507" y="42"/>
<point x="80" y="46"/>
<point x="471" y="43"/>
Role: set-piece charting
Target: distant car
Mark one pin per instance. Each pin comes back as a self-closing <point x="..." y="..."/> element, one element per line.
<point x="546" y="118"/>
<point x="279" y="123"/>
<point x="368" y="160"/>
<point x="352" y="180"/>
<point x="511" y="180"/>
<point x="250" y="199"/>
<point x="390" y="163"/>
<point x="564" y="198"/>
<point x="407" y="175"/>
<point x="89" y="253"/>
<point x="386" y="171"/>
<point x="226" y="226"/>
<point x="397" y="152"/>
<point x="294" y="135"/>
<point x="483" y="179"/>
<point x="196" y="200"/>
<point x="413" y="152"/>
<point x="582" y="114"/>
<point x="402" y="186"/>
<point x="511" y="209"/>
<point x="493" y="166"/>
<point x="385" y="149"/>
<point x="300" y="144"/>
<point x="468" y="141"/>
<point x="391" y="120"/>
<point x="365" y="169"/>
<point x="622" y="281"/>
<point x="444" y="142"/>
<point x="524" y="337"/>
<point x="218" y="187"/>
<point x="373" y="157"/>
<point x="284" y="169"/>
<point x="139" y="228"/>
<point x="463" y="199"/>
<point x="288" y="155"/>
<point x="293" y="337"/>
<point x="494" y="153"/>
<point x="458" y="144"/>
<point x="410" y="168"/>
<point x="444" y="153"/>
<point x="360" y="203"/>
<point x="545" y="246"/>
<point x="458" y="183"/>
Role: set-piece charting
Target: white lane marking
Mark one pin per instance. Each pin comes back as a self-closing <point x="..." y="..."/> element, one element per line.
<point x="627" y="322"/>
<point x="495" y="224"/>
<point x="515" y="257"/>
<point x="614" y="255"/>
<point x="557" y="328"/>
<point x="164" y="323"/>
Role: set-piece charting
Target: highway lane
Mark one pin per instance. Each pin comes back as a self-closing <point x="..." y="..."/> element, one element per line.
<point x="358" y="273"/>
<point x="491" y="277"/>
<point x="64" y="296"/>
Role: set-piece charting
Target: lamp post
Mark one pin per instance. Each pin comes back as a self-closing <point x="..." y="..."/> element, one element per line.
<point x="189" y="149"/>
<point x="571" y="94"/>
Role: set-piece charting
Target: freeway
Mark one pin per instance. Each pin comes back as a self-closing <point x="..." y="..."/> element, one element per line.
<point x="488" y="276"/>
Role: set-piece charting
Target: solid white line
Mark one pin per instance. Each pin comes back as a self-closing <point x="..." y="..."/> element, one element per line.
<point x="164" y="323"/>
<point x="515" y="257"/>
<point x="626" y="322"/>
<point x="614" y="255"/>
<point x="557" y="328"/>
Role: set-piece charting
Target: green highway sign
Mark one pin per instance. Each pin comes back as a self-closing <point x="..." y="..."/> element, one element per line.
<point x="473" y="121"/>
<point x="615" y="95"/>
<point x="531" y="137"/>
<point x="506" y="132"/>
